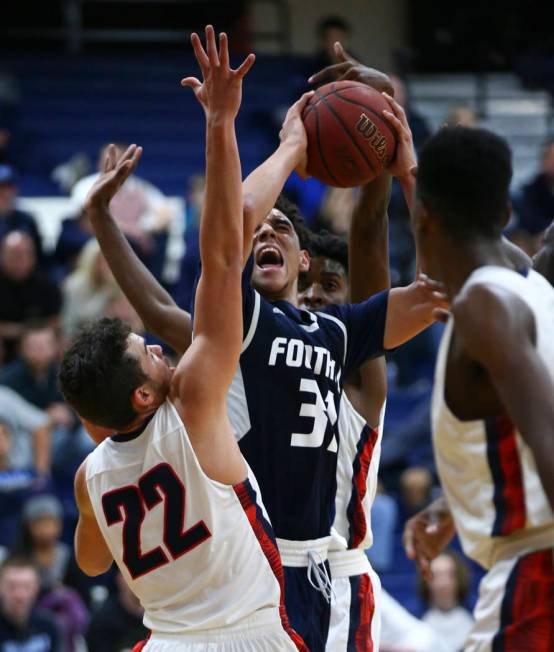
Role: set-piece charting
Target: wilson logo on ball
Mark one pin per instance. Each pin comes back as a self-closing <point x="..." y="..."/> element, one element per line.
<point x="373" y="135"/>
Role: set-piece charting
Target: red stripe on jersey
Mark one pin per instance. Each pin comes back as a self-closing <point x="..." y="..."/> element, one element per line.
<point x="360" y="466"/>
<point x="366" y="600"/>
<point x="264" y="533"/>
<point x="505" y="465"/>
<point x="527" y="612"/>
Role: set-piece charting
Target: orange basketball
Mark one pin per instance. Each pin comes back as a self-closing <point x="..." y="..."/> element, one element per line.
<point x="349" y="141"/>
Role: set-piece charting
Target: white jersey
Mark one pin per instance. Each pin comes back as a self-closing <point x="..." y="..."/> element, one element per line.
<point x="199" y="555"/>
<point x="357" y="467"/>
<point x="486" y="469"/>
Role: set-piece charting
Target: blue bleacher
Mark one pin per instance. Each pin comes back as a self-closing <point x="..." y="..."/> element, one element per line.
<point x="74" y="104"/>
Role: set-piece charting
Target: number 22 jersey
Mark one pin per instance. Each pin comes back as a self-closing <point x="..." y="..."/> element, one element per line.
<point x="285" y="398"/>
<point x="200" y="555"/>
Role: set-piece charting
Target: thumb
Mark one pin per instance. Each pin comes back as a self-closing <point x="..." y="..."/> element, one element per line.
<point x="191" y="82"/>
<point x="340" y="52"/>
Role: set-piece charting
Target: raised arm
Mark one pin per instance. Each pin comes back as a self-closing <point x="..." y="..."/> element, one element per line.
<point x="201" y="381"/>
<point x="262" y="186"/>
<point x="159" y="313"/>
<point x="498" y="331"/>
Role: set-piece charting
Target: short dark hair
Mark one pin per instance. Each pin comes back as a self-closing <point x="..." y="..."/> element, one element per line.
<point x="291" y="210"/>
<point x="98" y="375"/>
<point x="464" y="178"/>
<point x="19" y="561"/>
<point x="332" y="246"/>
<point x="332" y="22"/>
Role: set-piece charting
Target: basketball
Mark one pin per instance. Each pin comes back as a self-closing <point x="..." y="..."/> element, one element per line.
<point x="349" y="141"/>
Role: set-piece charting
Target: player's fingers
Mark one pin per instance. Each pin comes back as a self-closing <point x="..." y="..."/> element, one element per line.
<point x="109" y="159"/>
<point x="408" y="540"/>
<point x="224" y="50"/>
<point x="300" y="103"/>
<point x="211" y="47"/>
<point x="441" y="314"/>
<point x="396" y="108"/>
<point x="136" y="158"/>
<point x="394" y="121"/>
<point x="127" y="154"/>
<point x="191" y="82"/>
<point x="245" y="66"/>
<point x="334" y="72"/>
<point x="200" y="53"/>
<point x="341" y="53"/>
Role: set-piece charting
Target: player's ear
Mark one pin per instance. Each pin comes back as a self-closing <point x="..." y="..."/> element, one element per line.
<point x="304" y="261"/>
<point x="143" y="398"/>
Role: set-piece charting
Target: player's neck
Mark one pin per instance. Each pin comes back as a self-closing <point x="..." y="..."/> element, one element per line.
<point x="459" y="260"/>
<point x="289" y="293"/>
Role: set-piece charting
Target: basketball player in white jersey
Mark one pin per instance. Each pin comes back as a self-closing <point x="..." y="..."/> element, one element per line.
<point x="492" y="410"/>
<point x="169" y="496"/>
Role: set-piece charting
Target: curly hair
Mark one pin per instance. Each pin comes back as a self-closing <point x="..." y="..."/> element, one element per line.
<point x="292" y="211"/>
<point x="329" y="245"/>
<point x="98" y="375"/>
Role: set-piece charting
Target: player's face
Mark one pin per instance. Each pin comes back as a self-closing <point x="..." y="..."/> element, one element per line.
<point x="278" y="258"/>
<point x="325" y="283"/>
<point x="154" y="364"/>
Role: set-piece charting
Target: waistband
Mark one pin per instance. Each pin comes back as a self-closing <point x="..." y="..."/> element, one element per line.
<point x="295" y="553"/>
<point x="261" y="622"/>
<point x="347" y="563"/>
<point x="522" y="543"/>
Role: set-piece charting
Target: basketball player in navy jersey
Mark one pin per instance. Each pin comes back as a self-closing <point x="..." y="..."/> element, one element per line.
<point x="169" y="497"/>
<point x="492" y="411"/>
<point x="285" y="397"/>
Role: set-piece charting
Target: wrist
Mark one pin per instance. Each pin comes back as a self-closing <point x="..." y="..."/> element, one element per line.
<point x="216" y="119"/>
<point x="293" y="150"/>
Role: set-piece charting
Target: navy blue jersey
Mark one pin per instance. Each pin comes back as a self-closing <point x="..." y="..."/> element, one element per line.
<point x="284" y="401"/>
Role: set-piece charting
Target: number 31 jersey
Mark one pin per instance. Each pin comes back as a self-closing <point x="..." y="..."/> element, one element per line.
<point x="198" y="554"/>
<point x="284" y="401"/>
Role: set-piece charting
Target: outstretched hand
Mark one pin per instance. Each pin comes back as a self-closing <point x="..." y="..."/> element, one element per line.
<point x="349" y="68"/>
<point x="220" y="93"/>
<point x="427" y="534"/>
<point x="293" y="132"/>
<point x="114" y="174"/>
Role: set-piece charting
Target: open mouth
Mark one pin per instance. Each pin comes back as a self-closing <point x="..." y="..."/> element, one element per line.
<point x="269" y="257"/>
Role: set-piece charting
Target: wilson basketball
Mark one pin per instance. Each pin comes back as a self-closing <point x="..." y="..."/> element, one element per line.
<point x="349" y="140"/>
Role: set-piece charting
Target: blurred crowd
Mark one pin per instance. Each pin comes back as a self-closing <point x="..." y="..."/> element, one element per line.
<point x="46" y="295"/>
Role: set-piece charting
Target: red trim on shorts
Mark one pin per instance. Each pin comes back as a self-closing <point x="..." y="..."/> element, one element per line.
<point x="360" y="465"/>
<point x="137" y="647"/>
<point x="527" y="611"/>
<point x="505" y="465"/>
<point x="264" y="533"/>
<point x="366" y="599"/>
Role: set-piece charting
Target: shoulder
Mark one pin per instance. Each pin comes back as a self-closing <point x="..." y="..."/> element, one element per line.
<point x="491" y="320"/>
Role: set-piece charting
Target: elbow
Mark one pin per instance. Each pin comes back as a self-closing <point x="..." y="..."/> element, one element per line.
<point x="93" y="568"/>
<point x="248" y="210"/>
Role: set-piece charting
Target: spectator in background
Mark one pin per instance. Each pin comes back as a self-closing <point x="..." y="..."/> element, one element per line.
<point x="330" y="29"/>
<point x="445" y="595"/>
<point x="117" y="625"/>
<point x="25" y="294"/>
<point x="88" y="290"/>
<point x="535" y="206"/>
<point x="30" y="432"/>
<point x="16" y="486"/>
<point x="11" y="218"/>
<point x="416" y="484"/>
<point x="40" y="540"/>
<point x="23" y="627"/>
<point x="34" y="375"/>
<point x="461" y="115"/>
<point x="140" y="209"/>
<point x="384" y="515"/>
<point x="74" y="234"/>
